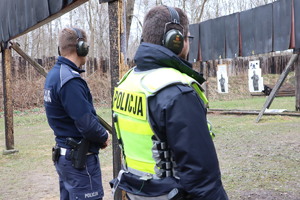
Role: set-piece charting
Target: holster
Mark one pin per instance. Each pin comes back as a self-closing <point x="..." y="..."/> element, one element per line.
<point x="177" y="194"/>
<point x="55" y="153"/>
<point x="78" y="152"/>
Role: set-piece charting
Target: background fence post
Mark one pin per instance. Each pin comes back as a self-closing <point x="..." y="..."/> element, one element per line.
<point x="8" y="101"/>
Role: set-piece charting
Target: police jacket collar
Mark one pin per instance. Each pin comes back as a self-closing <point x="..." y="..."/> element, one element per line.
<point x="63" y="60"/>
<point x="151" y="56"/>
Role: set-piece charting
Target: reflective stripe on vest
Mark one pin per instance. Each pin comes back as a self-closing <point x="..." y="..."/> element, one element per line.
<point x="130" y="107"/>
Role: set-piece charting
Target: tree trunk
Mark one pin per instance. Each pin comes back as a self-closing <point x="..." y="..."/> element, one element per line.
<point x="117" y="19"/>
<point x="202" y="11"/>
<point x="129" y="15"/>
<point x="297" y="89"/>
<point x="92" y="31"/>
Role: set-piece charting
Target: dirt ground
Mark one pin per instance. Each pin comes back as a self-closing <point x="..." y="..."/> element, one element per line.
<point x="258" y="161"/>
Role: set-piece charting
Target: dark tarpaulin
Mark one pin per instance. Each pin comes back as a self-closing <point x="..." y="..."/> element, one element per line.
<point x="263" y="31"/>
<point x="282" y="20"/>
<point x="55" y="6"/>
<point x="30" y="13"/>
<point x="4" y="20"/>
<point x="256" y="31"/>
<point x="232" y="35"/>
<point x="297" y="22"/>
<point x="218" y="38"/>
<point x="205" y="40"/>
<point x="247" y="32"/>
<point x="13" y="22"/>
<point x="19" y="15"/>
<point x="194" y="45"/>
<point x="43" y="13"/>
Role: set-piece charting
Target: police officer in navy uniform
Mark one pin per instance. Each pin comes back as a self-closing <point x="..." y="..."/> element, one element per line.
<point x="72" y="116"/>
<point x="159" y="111"/>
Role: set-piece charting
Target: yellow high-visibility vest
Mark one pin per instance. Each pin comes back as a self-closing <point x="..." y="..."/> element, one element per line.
<point x="130" y="109"/>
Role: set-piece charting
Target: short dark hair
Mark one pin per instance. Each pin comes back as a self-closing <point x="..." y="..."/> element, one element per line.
<point x="67" y="40"/>
<point x="155" y="21"/>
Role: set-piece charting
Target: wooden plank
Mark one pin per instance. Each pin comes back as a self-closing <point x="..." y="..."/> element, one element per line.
<point x="251" y="112"/>
<point x="36" y="65"/>
<point x="277" y="86"/>
<point x="206" y="75"/>
<point x="8" y="100"/>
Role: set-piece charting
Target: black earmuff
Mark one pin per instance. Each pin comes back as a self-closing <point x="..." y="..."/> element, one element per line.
<point x="58" y="51"/>
<point x="82" y="48"/>
<point x="173" y="39"/>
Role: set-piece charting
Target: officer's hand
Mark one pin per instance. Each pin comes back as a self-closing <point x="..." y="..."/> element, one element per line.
<point x="106" y="143"/>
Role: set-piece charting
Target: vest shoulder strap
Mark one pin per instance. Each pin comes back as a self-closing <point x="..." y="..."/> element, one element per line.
<point x="155" y="80"/>
<point x="125" y="76"/>
<point x="163" y="77"/>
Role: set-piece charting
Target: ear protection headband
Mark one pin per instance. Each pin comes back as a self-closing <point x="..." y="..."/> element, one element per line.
<point x="82" y="48"/>
<point x="173" y="39"/>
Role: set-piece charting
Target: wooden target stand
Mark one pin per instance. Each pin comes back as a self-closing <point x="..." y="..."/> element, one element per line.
<point x="288" y="68"/>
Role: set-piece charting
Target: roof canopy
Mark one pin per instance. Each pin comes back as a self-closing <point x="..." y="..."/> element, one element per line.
<point x="21" y="16"/>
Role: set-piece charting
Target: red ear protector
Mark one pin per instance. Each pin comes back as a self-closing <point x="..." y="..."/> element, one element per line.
<point x="173" y="39"/>
<point x="82" y="48"/>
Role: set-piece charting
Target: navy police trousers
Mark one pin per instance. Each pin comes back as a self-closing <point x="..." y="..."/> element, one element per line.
<point x="83" y="184"/>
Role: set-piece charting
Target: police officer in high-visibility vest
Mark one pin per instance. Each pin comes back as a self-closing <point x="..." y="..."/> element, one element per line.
<point x="159" y="112"/>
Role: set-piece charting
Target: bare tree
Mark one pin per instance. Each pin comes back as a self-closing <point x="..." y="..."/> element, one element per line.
<point x="129" y="15"/>
<point x="91" y="22"/>
<point x="196" y="10"/>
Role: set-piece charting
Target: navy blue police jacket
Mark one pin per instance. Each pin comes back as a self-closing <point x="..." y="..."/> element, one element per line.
<point x="178" y="116"/>
<point x="69" y="106"/>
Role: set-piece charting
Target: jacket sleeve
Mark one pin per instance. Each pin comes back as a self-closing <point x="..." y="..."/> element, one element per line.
<point x="74" y="97"/>
<point x="179" y="113"/>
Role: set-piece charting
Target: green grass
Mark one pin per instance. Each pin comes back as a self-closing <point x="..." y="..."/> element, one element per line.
<point x="257" y="160"/>
<point x="32" y="167"/>
<point x="255" y="103"/>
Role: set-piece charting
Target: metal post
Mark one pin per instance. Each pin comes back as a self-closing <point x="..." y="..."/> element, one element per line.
<point x="8" y="102"/>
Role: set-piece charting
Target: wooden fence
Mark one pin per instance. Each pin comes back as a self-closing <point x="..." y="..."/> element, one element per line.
<point x="27" y="83"/>
<point x="269" y="65"/>
<point x="21" y="69"/>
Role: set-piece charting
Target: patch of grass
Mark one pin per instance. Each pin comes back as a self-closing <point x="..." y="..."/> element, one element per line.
<point x="257" y="160"/>
<point x="30" y="174"/>
<point x="255" y="103"/>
